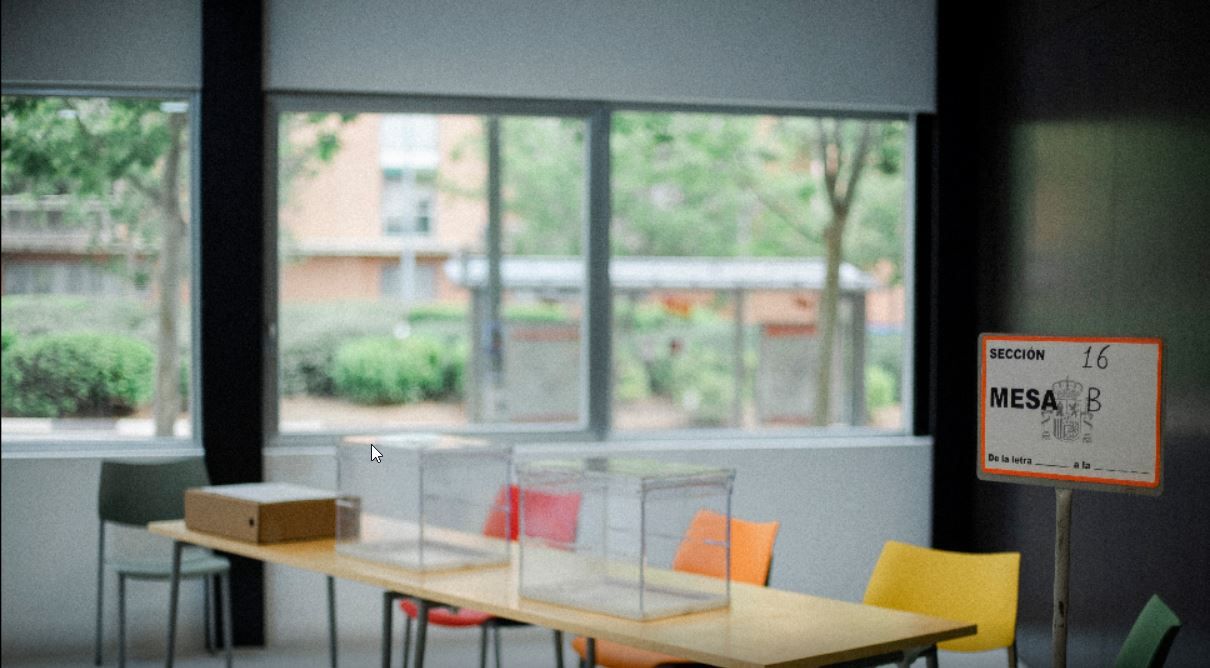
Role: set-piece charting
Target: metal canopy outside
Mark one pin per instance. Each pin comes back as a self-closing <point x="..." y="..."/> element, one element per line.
<point x="653" y="273"/>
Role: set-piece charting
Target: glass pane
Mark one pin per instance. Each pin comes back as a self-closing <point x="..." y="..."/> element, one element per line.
<point x="386" y="309"/>
<point x="737" y="239"/>
<point x="96" y="315"/>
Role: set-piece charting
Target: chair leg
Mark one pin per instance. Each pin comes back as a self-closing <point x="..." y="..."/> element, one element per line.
<point x="407" y="640"/>
<point x="558" y="649"/>
<point x="121" y="620"/>
<point x="96" y="659"/>
<point x="930" y="657"/>
<point x="228" y="640"/>
<point x="483" y="631"/>
<point x="496" y="642"/>
<point x="1012" y="654"/>
<point x="422" y="630"/>
<point x="590" y="652"/>
<point x="332" y="620"/>
<point x="174" y="590"/>
<point x="208" y="613"/>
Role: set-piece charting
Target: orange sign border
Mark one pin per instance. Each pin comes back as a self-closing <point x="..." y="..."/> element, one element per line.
<point x="1159" y="387"/>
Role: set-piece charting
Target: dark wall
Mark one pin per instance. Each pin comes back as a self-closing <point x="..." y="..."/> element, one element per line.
<point x="1085" y="142"/>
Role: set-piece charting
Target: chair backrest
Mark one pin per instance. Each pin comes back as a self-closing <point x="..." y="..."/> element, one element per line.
<point x="1150" y="638"/>
<point x="555" y="517"/>
<point x="138" y="493"/>
<point x="701" y="551"/>
<point x="978" y="588"/>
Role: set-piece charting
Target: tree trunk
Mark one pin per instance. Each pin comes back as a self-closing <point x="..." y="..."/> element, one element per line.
<point x="167" y="400"/>
<point x="826" y="317"/>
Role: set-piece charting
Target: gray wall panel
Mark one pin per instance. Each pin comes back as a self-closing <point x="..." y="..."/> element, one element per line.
<point x="117" y="43"/>
<point x="825" y="53"/>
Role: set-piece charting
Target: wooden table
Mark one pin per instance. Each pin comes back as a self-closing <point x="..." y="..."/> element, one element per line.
<point x="762" y="627"/>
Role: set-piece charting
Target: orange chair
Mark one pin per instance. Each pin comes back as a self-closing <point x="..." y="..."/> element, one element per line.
<point x="700" y="552"/>
<point x="551" y="516"/>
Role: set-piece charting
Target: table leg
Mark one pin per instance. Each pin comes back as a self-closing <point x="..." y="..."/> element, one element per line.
<point x="174" y="590"/>
<point x="225" y="593"/>
<point x="590" y="653"/>
<point x="332" y="619"/>
<point x="388" y="599"/>
<point x="422" y="628"/>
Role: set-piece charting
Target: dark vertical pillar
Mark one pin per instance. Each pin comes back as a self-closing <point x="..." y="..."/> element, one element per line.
<point x="955" y="274"/>
<point x="232" y="282"/>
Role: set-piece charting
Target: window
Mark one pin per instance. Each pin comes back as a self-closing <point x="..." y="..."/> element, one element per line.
<point x="402" y="324"/>
<point x="96" y="307"/>
<point x="756" y="267"/>
<point x="736" y="240"/>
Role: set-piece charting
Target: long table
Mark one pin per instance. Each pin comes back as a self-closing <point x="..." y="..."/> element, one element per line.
<point x="762" y="627"/>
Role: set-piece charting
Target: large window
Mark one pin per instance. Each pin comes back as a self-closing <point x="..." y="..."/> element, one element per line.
<point x="747" y="250"/>
<point x="96" y="248"/>
<point x="433" y="271"/>
<point x="417" y="291"/>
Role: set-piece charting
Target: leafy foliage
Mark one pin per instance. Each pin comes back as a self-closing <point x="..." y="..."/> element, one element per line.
<point x="77" y="374"/>
<point x="385" y="370"/>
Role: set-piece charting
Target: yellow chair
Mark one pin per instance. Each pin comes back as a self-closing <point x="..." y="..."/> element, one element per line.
<point x="699" y="552"/>
<point x="979" y="588"/>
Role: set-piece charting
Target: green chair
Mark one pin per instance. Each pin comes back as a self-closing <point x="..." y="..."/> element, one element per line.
<point x="1150" y="638"/>
<point x="134" y="494"/>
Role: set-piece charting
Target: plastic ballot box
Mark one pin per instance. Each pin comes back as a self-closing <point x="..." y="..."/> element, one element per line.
<point x="424" y="502"/>
<point x="650" y="539"/>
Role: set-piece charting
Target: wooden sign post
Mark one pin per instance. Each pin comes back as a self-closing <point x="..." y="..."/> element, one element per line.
<point x="1071" y="413"/>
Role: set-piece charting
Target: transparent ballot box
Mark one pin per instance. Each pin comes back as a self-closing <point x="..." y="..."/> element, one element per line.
<point x="653" y="538"/>
<point x="426" y="503"/>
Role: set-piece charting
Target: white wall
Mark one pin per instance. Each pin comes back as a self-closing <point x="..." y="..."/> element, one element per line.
<point x="830" y="54"/>
<point x="836" y="504"/>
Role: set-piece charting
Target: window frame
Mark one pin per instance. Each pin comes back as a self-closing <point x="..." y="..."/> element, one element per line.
<point x="18" y="445"/>
<point x="596" y="423"/>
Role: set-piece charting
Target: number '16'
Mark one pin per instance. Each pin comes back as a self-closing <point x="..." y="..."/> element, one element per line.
<point x="1102" y="361"/>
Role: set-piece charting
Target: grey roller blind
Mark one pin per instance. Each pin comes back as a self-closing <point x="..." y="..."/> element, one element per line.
<point x="839" y="54"/>
<point x="102" y="44"/>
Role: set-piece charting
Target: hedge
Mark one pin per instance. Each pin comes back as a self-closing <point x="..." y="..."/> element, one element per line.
<point x="386" y="370"/>
<point x="78" y="374"/>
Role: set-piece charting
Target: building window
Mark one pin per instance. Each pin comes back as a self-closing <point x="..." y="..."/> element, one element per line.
<point x="407" y="201"/>
<point x="96" y="254"/>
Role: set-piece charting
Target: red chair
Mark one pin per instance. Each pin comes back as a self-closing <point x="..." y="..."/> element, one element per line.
<point x="551" y="516"/>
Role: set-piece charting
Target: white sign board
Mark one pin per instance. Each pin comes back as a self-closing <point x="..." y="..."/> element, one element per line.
<point x="1076" y="412"/>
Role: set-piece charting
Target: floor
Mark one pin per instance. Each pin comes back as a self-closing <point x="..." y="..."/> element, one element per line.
<point x="521" y="647"/>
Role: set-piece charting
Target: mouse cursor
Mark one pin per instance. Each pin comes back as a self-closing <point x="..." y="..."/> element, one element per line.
<point x="375" y="455"/>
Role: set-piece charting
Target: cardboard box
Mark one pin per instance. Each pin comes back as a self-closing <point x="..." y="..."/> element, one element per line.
<point x="261" y="512"/>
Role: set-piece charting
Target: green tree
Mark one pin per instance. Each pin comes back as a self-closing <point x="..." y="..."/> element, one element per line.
<point x="687" y="184"/>
<point x="842" y="149"/>
<point x="128" y="155"/>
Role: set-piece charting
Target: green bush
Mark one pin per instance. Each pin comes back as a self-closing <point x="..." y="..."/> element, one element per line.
<point x="437" y="312"/>
<point x="79" y="374"/>
<point x="885" y="350"/>
<point x="312" y="333"/>
<point x="35" y="315"/>
<point x="701" y="380"/>
<point x="879" y="387"/>
<point x="537" y="313"/>
<point x="385" y="370"/>
<point x="7" y="339"/>
<point x="630" y="378"/>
